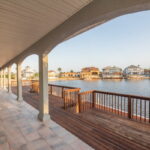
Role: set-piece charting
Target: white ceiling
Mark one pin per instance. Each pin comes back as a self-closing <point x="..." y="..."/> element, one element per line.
<point x="23" y="22"/>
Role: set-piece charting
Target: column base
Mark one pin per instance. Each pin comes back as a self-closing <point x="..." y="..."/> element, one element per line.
<point x="4" y="88"/>
<point x="20" y="99"/>
<point x="43" y="117"/>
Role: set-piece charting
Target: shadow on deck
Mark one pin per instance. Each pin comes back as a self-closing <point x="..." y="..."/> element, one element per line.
<point x="99" y="129"/>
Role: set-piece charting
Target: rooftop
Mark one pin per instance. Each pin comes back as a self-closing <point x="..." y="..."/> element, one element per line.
<point x="88" y="69"/>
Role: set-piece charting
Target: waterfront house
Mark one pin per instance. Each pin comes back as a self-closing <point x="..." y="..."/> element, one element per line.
<point x="147" y="73"/>
<point x="28" y="73"/>
<point x="112" y="73"/>
<point x="52" y="75"/>
<point x="89" y="73"/>
<point x="70" y="74"/>
<point x="133" y="71"/>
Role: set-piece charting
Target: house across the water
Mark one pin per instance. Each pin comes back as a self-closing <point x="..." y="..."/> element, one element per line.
<point x="133" y="71"/>
<point x="28" y="73"/>
<point x="112" y="73"/>
<point x="52" y="75"/>
<point x="90" y="73"/>
<point x="147" y="73"/>
<point x="69" y="75"/>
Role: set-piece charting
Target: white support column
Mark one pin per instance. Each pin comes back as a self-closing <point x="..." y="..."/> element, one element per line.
<point x="43" y="87"/>
<point x="19" y="83"/>
<point x="1" y="81"/>
<point x="9" y="79"/>
<point x="4" y="79"/>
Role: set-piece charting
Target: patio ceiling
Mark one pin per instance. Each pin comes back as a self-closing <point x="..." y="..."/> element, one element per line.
<point x="24" y="22"/>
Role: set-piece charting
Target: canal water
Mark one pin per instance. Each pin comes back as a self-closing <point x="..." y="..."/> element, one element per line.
<point x="135" y="87"/>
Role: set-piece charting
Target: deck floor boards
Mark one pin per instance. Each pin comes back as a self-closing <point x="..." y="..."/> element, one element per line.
<point x="99" y="129"/>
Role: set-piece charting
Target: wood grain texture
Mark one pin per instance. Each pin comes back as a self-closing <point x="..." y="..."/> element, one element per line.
<point x="101" y="130"/>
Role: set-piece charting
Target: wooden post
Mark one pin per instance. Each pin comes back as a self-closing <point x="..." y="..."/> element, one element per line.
<point x="93" y="99"/>
<point x="79" y="103"/>
<point x="32" y="85"/>
<point x="64" y="100"/>
<point x="62" y="92"/>
<point x="129" y="108"/>
<point x="51" y="89"/>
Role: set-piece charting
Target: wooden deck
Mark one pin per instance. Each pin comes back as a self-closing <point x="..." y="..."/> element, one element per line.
<point x="99" y="129"/>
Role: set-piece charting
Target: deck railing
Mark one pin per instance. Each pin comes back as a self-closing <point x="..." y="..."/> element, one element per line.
<point x="86" y="101"/>
<point x="58" y="90"/>
<point x="71" y="102"/>
<point x="35" y="86"/>
<point x="24" y="83"/>
<point x="68" y="94"/>
<point x="128" y="106"/>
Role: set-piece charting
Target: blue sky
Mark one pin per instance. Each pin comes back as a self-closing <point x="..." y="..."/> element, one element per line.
<point x="122" y="41"/>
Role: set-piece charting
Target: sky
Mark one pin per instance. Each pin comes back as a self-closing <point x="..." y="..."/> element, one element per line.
<point x="120" y="42"/>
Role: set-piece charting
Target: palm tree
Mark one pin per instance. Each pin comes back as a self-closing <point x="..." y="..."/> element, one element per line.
<point x="59" y="69"/>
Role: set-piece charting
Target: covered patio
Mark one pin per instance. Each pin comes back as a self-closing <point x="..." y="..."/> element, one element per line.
<point x="36" y="27"/>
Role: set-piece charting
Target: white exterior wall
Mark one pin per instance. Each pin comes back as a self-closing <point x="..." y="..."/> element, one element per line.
<point x="134" y="71"/>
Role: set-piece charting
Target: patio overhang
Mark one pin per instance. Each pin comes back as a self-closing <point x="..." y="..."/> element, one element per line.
<point x="29" y="27"/>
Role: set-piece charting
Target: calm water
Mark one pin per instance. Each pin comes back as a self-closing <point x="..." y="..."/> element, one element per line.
<point x="136" y="87"/>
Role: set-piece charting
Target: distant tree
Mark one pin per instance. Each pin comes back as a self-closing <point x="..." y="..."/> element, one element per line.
<point x="59" y="70"/>
<point x="71" y="71"/>
<point x="36" y="75"/>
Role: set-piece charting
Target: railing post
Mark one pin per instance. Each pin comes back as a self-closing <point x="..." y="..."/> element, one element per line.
<point x="129" y="108"/>
<point x="64" y="100"/>
<point x="79" y="103"/>
<point x="31" y="85"/>
<point x="93" y="99"/>
<point x="62" y="92"/>
<point x="51" y="90"/>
